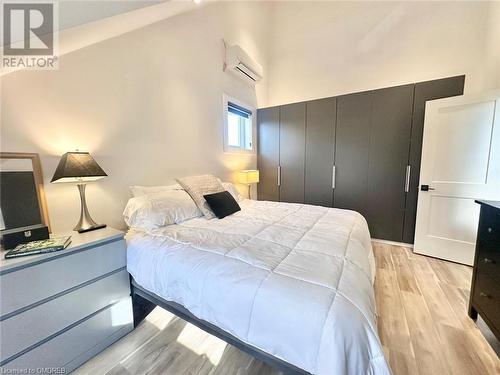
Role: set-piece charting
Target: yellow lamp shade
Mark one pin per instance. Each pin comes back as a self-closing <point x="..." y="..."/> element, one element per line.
<point x="249" y="176"/>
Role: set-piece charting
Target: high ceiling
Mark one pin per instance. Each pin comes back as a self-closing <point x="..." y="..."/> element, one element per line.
<point x="77" y="12"/>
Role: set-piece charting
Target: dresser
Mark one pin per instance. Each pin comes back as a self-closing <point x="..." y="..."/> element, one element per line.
<point x="485" y="289"/>
<point x="60" y="309"/>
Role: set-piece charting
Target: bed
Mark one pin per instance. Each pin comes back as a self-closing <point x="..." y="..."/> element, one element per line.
<point x="291" y="284"/>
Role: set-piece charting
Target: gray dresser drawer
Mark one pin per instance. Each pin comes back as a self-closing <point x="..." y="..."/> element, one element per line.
<point x="78" y="344"/>
<point x="23" y="330"/>
<point x="38" y="282"/>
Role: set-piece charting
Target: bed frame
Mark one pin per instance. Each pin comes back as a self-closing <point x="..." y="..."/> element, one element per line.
<point x="144" y="302"/>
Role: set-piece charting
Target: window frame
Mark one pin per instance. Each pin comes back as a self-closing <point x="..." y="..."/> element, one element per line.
<point x="253" y="119"/>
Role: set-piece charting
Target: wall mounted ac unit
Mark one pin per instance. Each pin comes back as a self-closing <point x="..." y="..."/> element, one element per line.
<point x="241" y="64"/>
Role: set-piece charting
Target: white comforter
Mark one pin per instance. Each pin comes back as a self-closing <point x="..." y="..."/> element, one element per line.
<point x="293" y="280"/>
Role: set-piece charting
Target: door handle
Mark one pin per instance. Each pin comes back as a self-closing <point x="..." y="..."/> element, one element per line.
<point x="333" y="177"/>
<point x="426" y="188"/>
<point x="279" y="175"/>
<point x="407" y="179"/>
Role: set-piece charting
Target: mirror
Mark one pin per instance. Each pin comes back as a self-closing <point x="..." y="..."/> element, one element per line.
<point x="22" y="199"/>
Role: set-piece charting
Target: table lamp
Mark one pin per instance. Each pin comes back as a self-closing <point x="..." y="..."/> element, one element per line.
<point x="248" y="177"/>
<point x="80" y="167"/>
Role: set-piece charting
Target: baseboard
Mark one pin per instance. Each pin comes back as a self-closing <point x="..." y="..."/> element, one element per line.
<point x="410" y="245"/>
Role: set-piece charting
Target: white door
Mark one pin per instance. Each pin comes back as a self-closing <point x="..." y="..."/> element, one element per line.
<point x="460" y="163"/>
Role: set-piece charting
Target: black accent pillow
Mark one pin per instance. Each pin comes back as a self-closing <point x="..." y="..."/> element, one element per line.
<point x="222" y="204"/>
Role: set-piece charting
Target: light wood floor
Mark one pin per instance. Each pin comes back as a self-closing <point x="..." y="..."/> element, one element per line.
<point x="423" y="323"/>
<point x="423" y="326"/>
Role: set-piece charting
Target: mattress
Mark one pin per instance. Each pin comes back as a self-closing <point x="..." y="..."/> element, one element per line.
<point x="293" y="280"/>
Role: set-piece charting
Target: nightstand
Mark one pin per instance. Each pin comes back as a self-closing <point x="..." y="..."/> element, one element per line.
<point x="59" y="309"/>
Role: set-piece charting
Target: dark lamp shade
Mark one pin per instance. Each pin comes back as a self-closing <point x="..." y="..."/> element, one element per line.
<point x="77" y="167"/>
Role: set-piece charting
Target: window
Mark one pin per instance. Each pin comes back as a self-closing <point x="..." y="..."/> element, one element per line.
<point x="238" y="126"/>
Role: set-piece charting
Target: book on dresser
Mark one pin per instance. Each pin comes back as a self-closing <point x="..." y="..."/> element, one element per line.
<point x="39" y="247"/>
<point x="485" y="289"/>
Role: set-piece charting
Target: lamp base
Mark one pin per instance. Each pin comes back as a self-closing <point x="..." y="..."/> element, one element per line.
<point x="88" y="229"/>
<point x="86" y="223"/>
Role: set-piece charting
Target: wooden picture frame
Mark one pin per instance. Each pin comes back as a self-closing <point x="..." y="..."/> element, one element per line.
<point x="38" y="176"/>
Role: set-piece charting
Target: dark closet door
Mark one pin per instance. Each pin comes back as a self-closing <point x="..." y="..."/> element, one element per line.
<point x="424" y="91"/>
<point x="292" y="148"/>
<point x="320" y="149"/>
<point x="268" y="144"/>
<point x="352" y="144"/>
<point x="389" y="146"/>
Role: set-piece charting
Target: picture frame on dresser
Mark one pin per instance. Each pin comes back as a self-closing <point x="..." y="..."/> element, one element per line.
<point x="24" y="215"/>
<point x="18" y="158"/>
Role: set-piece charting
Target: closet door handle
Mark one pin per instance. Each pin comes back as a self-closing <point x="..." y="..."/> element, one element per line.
<point x="407" y="178"/>
<point x="333" y="177"/>
<point x="279" y="175"/>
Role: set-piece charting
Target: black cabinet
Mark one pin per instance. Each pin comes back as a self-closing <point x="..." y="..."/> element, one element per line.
<point x="268" y="156"/>
<point x="372" y="142"/>
<point x="292" y="152"/>
<point x="390" y="130"/>
<point x="320" y="151"/>
<point x="352" y="146"/>
<point x="485" y="289"/>
<point x="358" y="151"/>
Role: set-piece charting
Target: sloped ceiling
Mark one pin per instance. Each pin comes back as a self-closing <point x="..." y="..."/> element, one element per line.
<point x="77" y="12"/>
<point x="83" y="23"/>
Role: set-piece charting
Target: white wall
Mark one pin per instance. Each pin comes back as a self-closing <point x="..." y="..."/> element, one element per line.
<point x="147" y="105"/>
<point x="493" y="46"/>
<point x="321" y="49"/>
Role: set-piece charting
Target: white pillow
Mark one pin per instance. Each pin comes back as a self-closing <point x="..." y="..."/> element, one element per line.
<point x="137" y="191"/>
<point x="159" y="209"/>
<point x="228" y="186"/>
<point x="198" y="186"/>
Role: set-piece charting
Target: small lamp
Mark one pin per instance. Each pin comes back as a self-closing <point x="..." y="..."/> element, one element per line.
<point x="80" y="167"/>
<point x="248" y="177"/>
